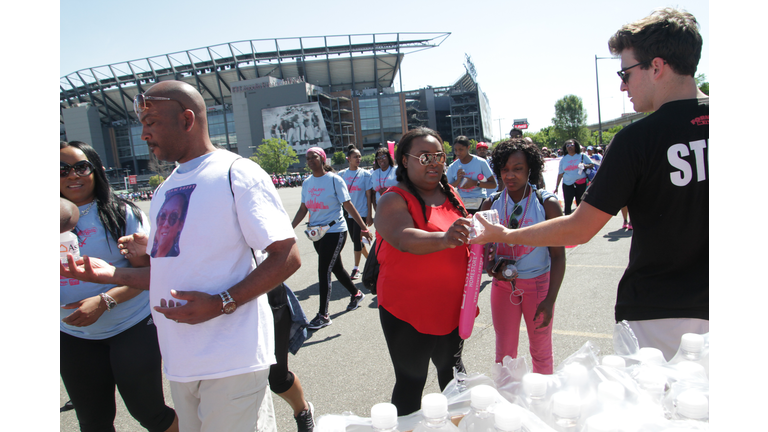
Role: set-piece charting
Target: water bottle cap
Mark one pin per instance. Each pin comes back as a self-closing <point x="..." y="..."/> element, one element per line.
<point x="482" y="397"/>
<point x="566" y="405"/>
<point x="384" y="416"/>
<point x="690" y="368"/>
<point x="434" y="405"/>
<point x="614" y="361"/>
<point x="535" y="384"/>
<point x="508" y="417"/>
<point x="576" y="374"/>
<point x="651" y="355"/>
<point x="610" y="391"/>
<point x="651" y="380"/>
<point x="692" y="342"/>
<point x="693" y="404"/>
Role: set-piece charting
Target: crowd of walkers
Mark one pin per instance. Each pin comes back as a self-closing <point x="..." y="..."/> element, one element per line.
<point x="114" y="329"/>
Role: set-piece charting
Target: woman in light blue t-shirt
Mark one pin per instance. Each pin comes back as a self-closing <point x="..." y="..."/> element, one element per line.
<point x="573" y="175"/>
<point x="323" y="195"/>
<point x="107" y="337"/>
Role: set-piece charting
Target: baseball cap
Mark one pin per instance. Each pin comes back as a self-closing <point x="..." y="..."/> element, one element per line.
<point x="482" y="145"/>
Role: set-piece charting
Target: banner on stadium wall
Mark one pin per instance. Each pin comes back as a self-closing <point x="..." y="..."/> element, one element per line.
<point x="301" y="125"/>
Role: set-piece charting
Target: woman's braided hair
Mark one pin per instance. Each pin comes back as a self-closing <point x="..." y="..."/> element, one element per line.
<point x="403" y="147"/>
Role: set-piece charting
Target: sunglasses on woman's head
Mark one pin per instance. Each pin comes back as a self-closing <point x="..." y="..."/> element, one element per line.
<point x="82" y="168"/>
<point x="429" y="158"/>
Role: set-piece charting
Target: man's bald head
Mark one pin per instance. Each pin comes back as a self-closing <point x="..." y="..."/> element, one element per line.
<point x="184" y="93"/>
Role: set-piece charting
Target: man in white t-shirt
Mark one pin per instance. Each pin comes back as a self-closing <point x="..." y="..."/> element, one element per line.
<point x="231" y="242"/>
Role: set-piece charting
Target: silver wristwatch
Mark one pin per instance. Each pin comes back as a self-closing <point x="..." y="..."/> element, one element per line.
<point x="228" y="305"/>
<point x="111" y="303"/>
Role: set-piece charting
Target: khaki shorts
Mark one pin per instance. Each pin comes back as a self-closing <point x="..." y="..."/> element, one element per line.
<point x="665" y="334"/>
<point x="240" y="403"/>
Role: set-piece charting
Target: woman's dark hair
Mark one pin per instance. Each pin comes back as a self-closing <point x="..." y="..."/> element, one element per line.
<point x="461" y="139"/>
<point x="503" y="150"/>
<point x="576" y="145"/>
<point x="381" y="151"/>
<point x="350" y="149"/>
<point x="403" y="148"/>
<point x="111" y="207"/>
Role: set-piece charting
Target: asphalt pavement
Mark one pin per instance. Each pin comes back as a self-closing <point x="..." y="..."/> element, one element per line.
<point x="346" y="367"/>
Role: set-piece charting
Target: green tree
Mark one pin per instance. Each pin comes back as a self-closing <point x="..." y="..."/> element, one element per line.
<point x="156" y="180"/>
<point x="702" y="83"/>
<point x="544" y="137"/>
<point x="367" y="160"/>
<point x="338" y="158"/>
<point x="275" y="155"/>
<point x="570" y="119"/>
<point x="607" y="136"/>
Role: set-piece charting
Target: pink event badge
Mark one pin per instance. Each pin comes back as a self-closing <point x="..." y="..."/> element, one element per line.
<point x="471" y="291"/>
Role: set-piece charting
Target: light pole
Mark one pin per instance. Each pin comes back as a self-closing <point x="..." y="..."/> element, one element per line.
<point x="599" y="118"/>
<point x="501" y="137"/>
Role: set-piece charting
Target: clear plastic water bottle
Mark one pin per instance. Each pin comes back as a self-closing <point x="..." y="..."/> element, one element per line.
<point x="508" y="418"/>
<point x="691" y="346"/>
<point x="651" y="356"/>
<point x="332" y="423"/>
<point x="692" y="405"/>
<point x="384" y="417"/>
<point x="479" y="418"/>
<point x="69" y="244"/>
<point x="652" y="384"/>
<point x="535" y="388"/>
<point x="492" y="216"/>
<point x="566" y="411"/>
<point x="434" y="409"/>
<point x="614" y="361"/>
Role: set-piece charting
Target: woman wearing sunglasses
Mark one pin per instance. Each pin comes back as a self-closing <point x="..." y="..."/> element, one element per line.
<point x="107" y="337"/>
<point x="423" y="230"/>
<point x="527" y="279"/>
<point x="573" y="176"/>
<point x="384" y="173"/>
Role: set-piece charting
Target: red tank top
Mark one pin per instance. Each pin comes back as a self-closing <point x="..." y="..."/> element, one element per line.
<point x="424" y="290"/>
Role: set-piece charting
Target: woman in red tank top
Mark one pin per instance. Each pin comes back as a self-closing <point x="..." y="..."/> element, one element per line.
<point x="423" y="227"/>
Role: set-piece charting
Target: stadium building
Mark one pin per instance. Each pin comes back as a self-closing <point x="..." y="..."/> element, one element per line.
<point x="326" y="91"/>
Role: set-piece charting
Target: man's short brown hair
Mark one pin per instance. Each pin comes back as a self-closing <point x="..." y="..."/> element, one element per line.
<point x="668" y="33"/>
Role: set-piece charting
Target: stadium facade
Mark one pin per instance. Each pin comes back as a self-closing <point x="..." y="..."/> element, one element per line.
<point x="328" y="91"/>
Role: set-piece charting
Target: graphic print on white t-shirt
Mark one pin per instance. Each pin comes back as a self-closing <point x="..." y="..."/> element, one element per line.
<point x="170" y="222"/>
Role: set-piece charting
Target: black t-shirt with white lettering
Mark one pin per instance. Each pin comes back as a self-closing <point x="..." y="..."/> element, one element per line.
<point x="658" y="168"/>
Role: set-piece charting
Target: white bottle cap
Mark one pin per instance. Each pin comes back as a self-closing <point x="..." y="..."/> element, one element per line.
<point x="610" y="391"/>
<point x="384" y="416"/>
<point x="690" y="368"/>
<point x="535" y="384"/>
<point x="692" y="342"/>
<point x="434" y="405"/>
<point x="651" y="355"/>
<point x="566" y="404"/>
<point x="576" y="374"/>
<point x="614" y="361"/>
<point x="693" y="404"/>
<point x="482" y="397"/>
<point x="508" y="417"/>
<point x="652" y="381"/>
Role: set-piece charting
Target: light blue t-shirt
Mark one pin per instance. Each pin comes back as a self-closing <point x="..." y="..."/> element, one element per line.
<point x="476" y="169"/>
<point x="95" y="241"/>
<point x="358" y="183"/>
<point x="323" y="197"/>
<point x="569" y="167"/>
<point x="531" y="261"/>
<point x="381" y="180"/>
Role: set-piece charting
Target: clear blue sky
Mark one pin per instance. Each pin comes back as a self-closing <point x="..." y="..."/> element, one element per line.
<point x="527" y="54"/>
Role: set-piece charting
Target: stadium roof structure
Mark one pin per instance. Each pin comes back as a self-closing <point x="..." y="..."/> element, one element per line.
<point x="342" y="62"/>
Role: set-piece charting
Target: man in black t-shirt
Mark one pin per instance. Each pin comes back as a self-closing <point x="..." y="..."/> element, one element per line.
<point x="658" y="168"/>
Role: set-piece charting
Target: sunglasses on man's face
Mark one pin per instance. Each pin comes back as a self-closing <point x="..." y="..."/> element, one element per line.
<point x="429" y="158"/>
<point x="623" y="73"/>
<point x="82" y="169"/>
<point x="140" y="102"/>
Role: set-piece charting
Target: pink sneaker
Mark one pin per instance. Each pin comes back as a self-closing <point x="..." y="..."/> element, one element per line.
<point x="625" y="226"/>
<point x="629" y="226"/>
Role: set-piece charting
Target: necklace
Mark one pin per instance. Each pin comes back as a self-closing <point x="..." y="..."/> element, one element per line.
<point x="85" y="212"/>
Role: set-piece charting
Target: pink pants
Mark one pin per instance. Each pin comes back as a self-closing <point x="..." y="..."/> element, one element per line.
<point x="506" y="320"/>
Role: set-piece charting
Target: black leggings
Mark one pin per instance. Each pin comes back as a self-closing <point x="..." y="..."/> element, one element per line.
<point x="90" y="370"/>
<point x="355" y="233"/>
<point x="328" y="251"/>
<point x="570" y="192"/>
<point x="411" y="352"/>
<point x="280" y="378"/>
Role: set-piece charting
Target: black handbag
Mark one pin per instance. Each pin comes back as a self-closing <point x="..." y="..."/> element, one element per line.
<point x="371" y="270"/>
